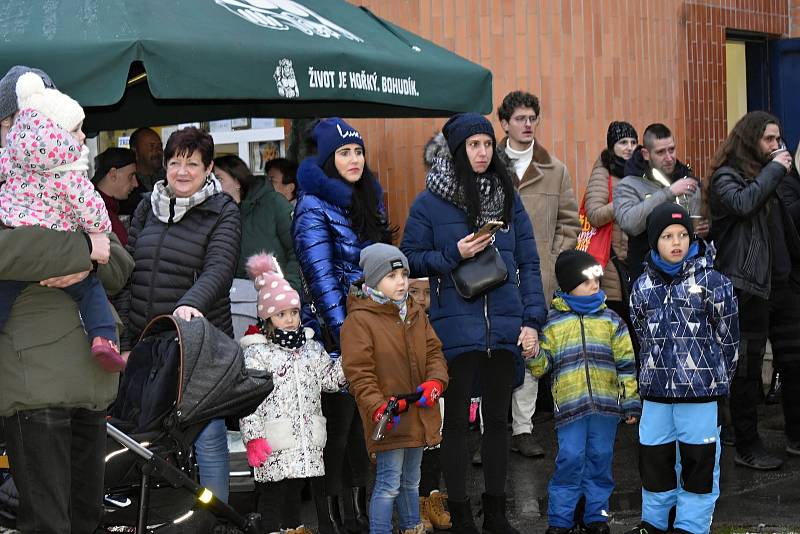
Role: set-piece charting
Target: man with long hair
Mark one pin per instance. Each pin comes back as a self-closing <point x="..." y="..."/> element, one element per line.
<point x="748" y="225"/>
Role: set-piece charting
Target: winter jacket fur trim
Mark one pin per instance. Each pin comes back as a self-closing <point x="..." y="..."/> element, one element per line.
<point x="327" y="246"/>
<point x="546" y="192"/>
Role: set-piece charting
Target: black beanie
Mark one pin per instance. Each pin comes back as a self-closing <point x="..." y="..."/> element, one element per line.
<point x="619" y="130"/>
<point x="574" y="267"/>
<point x="664" y="215"/>
<point x="461" y="126"/>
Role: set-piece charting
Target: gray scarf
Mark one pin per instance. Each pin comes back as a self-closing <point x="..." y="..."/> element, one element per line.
<point x="442" y="181"/>
<point x="170" y="209"/>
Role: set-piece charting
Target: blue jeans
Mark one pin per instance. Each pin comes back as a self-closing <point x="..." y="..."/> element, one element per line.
<point x="396" y="481"/>
<point x="213" y="458"/>
<point x="679" y="463"/>
<point x="583" y="467"/>
<point x="88" y="294"/>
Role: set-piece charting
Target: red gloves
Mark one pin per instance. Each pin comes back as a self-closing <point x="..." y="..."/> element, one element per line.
<point x="402" y="407"/>
<point x="258" y="450"/>
<point x="431" y="391"/>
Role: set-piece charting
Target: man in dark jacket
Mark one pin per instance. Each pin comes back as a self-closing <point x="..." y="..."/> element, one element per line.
<point x="53" y="395"/>
<point x="785" y="314"/>
<point x="653" y="175"/>
<point x="752" y="251"/>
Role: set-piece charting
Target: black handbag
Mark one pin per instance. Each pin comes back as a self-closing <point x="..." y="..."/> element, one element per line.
<point x="481" y="273"/>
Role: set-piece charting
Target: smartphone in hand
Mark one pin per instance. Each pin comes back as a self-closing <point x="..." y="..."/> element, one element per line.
<point x="488" y="229"/>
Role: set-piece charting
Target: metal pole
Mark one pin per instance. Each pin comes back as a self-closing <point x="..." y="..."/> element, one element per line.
<point x="128" y="442"/>
<point x="144" y="503"/>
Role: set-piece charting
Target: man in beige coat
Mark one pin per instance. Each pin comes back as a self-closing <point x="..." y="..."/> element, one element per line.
<point x="545" y="186"/>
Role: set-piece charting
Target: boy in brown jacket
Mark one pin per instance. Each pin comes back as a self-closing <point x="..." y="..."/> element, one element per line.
<point x="389" y="347"/>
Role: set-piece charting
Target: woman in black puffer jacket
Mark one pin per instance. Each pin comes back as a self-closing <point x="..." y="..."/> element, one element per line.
<point x="185" y="239"/>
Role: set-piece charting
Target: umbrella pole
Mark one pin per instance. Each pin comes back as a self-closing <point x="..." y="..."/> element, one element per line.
<point x="155" y="465"/>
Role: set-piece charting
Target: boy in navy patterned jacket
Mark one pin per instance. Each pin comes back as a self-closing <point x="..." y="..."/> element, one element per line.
<point x="686" y="316"/>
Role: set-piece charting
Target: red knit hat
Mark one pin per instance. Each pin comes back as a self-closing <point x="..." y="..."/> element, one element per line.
<point x="274" y="292"/>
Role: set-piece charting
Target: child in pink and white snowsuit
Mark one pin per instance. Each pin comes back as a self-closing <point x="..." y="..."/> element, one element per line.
<point x="45" y="166"/>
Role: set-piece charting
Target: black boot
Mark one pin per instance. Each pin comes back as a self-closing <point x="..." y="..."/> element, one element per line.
<point x="360" y="508"/>
<point x="329" y="516"/>
<point x="774" y="393"/>
<point x="461" y="517"/>
<point x="494" y="515"/>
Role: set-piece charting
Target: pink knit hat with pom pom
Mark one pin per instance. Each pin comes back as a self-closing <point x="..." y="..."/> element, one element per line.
<point x="274" y="292"/>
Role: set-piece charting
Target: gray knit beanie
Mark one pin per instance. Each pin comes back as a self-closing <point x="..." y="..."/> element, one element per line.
<point x="378" y="260"/>
<point x="8" y="88"/>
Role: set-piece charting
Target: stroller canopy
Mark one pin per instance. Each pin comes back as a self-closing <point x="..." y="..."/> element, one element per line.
<point x="193" y="368"/>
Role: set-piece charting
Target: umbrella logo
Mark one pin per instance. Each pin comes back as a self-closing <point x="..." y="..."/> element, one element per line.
<point x="285" y="79"/>
<point x="286" y="14"/>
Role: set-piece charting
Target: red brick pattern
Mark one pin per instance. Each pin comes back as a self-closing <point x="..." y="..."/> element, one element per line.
<point x="589" y="61"/>
<point x="704" y="87"/>
<point x="794" y="18"/>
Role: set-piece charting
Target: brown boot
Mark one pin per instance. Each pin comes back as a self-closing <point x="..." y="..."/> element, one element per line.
<point x="424" y="514"/>
<point x="439" y="517"/>
<point x="419" y="529"/>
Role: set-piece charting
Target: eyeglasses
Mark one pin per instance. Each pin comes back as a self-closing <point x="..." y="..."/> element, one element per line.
<point x="525" y="119"/>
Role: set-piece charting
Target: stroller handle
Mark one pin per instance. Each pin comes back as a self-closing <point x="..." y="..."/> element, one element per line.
<point x="391" y="407"/>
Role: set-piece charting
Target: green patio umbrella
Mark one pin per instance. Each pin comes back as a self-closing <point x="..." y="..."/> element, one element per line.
<point x="213" y="59"/>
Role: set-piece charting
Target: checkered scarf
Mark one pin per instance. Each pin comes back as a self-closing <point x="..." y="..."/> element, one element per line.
<point x="170" y="209"/>
<point x="442" y="181"/>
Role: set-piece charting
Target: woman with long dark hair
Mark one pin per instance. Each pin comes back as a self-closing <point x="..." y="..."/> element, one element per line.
<point x="481" y="337"/>
<point x="749" y="230"/>
<point x="609" y="169"/>
<point x="339" y="212"/>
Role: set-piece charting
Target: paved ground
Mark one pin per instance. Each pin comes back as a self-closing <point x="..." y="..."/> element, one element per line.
<point x="750" y="501"/>
<point x="748" y="498"/>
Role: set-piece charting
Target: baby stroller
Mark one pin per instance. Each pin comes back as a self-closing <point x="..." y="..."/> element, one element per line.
<point x="179" y="376"/>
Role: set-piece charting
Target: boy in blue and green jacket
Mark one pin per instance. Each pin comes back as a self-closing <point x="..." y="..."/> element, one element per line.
<point x="686" y="317"/>
<point x="587" y="348"/>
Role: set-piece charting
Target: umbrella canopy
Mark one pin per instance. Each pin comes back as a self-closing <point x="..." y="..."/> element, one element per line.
<point x="213" y="59"/>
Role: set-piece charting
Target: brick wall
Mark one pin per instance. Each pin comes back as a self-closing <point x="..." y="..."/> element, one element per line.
<point x="589" y="61"/>
<point x="794" y="18"/>
<point x="704" y="88"/>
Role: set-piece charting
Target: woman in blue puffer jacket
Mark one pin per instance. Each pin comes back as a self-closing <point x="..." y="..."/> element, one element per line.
<point x="338" y="213"/>
<point x="481" y="338"/>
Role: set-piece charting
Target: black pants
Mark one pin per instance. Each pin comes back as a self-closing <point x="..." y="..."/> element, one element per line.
<point x="279" y="503"/>
<point x="496" y="375"/>
<point x="759" y="319"/>
<point x="790" y="396"/>
<point x="345" y="454"/>
<point x="746" y="386"/>
<point x="783" y="327"/>
<point x="430" y="472"/>
<point x="57" y="461"/>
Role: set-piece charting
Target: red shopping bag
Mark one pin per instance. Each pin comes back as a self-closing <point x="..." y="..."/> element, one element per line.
<point x="595" y="241"/>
